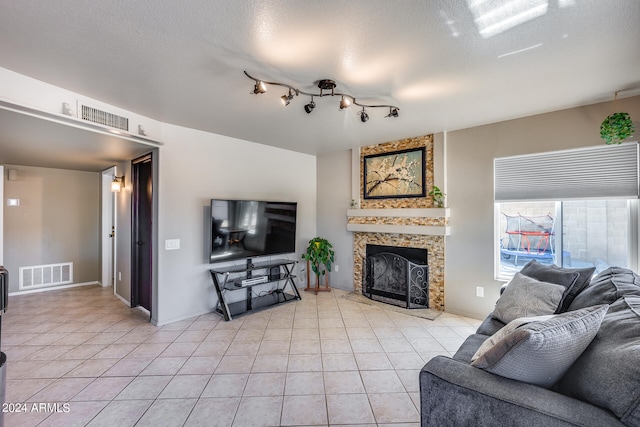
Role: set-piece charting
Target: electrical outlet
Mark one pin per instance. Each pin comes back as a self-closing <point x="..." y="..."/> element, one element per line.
<point x="337" y="268"/>
<point x="479" y="291"/>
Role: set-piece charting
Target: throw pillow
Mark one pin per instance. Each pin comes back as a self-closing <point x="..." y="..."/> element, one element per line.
<point x="607" y="374"/>
<point x="607" y="287"/>
<point x="540" y="352"/>
<point x="526" y="297"/>
<point x="498" y="337"/>
<point x="575" y="280"/>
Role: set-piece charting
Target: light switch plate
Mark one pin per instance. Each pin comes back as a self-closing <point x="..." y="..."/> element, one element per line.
<point x="171" y="244"/>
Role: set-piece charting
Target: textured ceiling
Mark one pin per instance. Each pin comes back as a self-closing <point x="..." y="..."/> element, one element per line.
<point x="442" y="62"/>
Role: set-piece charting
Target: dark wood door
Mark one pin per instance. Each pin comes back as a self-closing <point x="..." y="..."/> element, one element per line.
<point x="142" y="227"/>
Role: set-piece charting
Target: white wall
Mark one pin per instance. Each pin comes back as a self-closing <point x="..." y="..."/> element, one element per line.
<point x="195" y="167"/>
<point x="29" y="92"/>
<point x="470" y="154"/>
<point x="57" y="221"/>
<point x="333" y="200"/>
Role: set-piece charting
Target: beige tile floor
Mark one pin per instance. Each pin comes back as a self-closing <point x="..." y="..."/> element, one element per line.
<point x="320" y="361"/>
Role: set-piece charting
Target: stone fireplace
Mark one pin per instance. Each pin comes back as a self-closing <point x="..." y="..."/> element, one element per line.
<point x="402" y="223"/>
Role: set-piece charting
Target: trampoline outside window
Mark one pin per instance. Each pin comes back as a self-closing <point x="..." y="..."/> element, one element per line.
<point x="574" y="233"/>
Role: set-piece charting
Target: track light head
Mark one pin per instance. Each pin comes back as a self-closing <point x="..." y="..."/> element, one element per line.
<point x="344" y="103"/>
<point x="363" y="115"/>
<point x="286" y="99"/>
<point x="393" y="112"/>
<point x="310" y="106"/>
<point x="260" y="87"/>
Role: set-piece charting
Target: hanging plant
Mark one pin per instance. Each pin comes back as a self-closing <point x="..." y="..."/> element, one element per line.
<point x="616" y="128"/>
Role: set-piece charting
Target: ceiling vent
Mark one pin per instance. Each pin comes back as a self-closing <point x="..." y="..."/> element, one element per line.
<point x="94" y="115"/>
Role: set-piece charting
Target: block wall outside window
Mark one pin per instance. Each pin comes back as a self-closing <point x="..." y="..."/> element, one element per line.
<point x="593" y="233"/>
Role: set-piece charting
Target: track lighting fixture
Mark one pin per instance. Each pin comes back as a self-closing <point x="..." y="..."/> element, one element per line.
<point x="310" y="106"/>
<point x="346" y="100"/>
<point x="260" y="87"/>
<point x="286" y="99"/>
<point x="344" y="103"/>
<point x="363" y="115"/>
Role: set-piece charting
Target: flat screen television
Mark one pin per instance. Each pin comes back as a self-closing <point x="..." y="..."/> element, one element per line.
<point x="251" y="228"/>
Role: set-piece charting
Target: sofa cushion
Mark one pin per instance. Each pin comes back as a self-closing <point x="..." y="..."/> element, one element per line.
<point x="526" y="297"/>
<point x="607" y="374"/>
<point x="540" y="351"/>
<point x="575" y="280"/>
<point x="490" y="325"/>
<point x="607" y="287"/>
<point x="469" y="347"/>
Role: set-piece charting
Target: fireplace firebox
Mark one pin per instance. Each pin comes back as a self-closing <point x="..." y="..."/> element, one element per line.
<point x="397" y="276"/>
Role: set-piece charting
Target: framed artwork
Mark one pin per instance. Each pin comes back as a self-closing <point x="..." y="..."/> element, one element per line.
<point x="394" y="175"/>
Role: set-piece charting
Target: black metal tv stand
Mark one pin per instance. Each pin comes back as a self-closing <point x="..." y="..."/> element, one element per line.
<point x="230" y="280"/>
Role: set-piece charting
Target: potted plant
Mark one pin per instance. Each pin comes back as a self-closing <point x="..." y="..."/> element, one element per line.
<point x="437" y="196"/>
<point x="616" y="128"/>
<point x="320" y="258"/>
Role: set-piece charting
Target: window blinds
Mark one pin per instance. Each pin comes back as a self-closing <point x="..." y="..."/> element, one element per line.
<point x="605" y="171"/>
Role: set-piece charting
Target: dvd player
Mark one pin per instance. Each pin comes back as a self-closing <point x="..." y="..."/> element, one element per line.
<point x="254" y="280"/>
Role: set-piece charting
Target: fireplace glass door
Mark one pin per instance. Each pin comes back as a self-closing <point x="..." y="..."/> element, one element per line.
<point x="397" y="275"/>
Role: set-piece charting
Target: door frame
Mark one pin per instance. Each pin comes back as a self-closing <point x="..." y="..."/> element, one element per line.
<point x="108" y="230"/>
<point x="134" y="231"/>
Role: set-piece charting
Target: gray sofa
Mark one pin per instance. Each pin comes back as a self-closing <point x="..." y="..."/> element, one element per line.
<point x="597" y="384"/>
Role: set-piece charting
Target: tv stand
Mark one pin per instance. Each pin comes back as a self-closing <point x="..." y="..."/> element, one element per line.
<point x="227" y="281"/>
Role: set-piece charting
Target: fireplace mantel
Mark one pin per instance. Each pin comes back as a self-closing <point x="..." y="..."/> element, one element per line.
<point x="401" y="212"/>
<point x="400" y="227"/>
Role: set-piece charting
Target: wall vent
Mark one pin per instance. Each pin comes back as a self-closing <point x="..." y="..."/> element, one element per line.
<point x="94" y="115"/>
<point x="40" y="276"/>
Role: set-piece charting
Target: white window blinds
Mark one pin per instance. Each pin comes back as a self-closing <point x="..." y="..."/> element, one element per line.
<point x="604" y="171"/>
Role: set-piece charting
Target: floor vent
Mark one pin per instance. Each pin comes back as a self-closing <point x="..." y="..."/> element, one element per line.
<point x="40" y="276"/>
<point x="94" y="115"/>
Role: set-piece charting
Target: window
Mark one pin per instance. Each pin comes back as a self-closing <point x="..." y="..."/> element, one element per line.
<point x="574" y="208"/>
<point x="573" y="233"/>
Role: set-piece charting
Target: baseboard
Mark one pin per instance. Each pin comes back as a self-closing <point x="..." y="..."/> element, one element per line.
<point x="54" y="288"/>
<point x="144" y="310"/>
<point x="465" y="314"/>
<point x="127" y="303"/>
<point x="177" y="319"/>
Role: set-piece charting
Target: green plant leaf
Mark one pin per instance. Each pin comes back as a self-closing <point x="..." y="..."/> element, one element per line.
<point x="319" y="252"/>
<point x="616" y="128"/>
